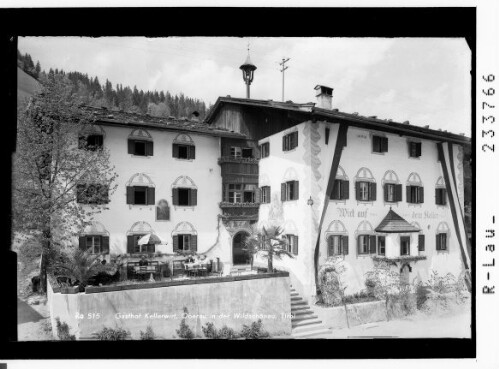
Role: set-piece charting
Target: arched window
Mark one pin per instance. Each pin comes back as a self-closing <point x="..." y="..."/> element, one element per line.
<point x="366" y="238"/>
<point x="336" y="237"/>
<point x="365" y="185"/>
<point x="392" y="189"/>
<point x="185" y="237"/>
<point x="183" y="147"/>
<point x="291" y="235"/>
<point x="440" y="192"/>
<point x="91" y="137"/>
<point x="162" y="210"/>
<point x="341" y="187"/>
<point x="184" y="192"/>
<point x="442" y="237"/>
<point x="95" y="238"/>
<point x="414" y="189"/>
<point x="140" y="190"/>
<point x="137" y="231"/>
<point x="140" y="143"/>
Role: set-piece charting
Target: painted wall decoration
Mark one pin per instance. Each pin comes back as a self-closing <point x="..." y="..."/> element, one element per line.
<point x="140" y="133"/>
<point x="162" y="210"/>
<point x="140" y="227"/>
<point x="140" y="179"/>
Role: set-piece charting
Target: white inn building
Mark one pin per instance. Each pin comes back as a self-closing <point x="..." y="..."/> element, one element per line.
<point x="339" y="184"/>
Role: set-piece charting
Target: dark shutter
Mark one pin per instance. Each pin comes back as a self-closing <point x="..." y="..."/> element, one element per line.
<point x="175" y="150"/>
<point x="385" y="191"/>
<point x="418" y="149"/>
<point x="443" y="245"/>
<point x="130" y="244"/>
<point x="381" y="241"/>
<point x="398" y="192"/>
<point x="376" y="145"/>
<point x="295" y="139"/>
<point x="175" y="243"/>
<point x="384" y="144"/>
<point x="333" y="195"/>
<point x="194" y="242"/>
<point x="344" y="244"/>
<point x="149" y="148"/>
<point x="444" y="196"/>
<point x="100" y="141"/>
<point x="326" y="136"/>
<point x="295" y="245"/>
<point x="258" y="195"/>
<point x="372" y="191"/>
<point x="175" y="196"/>
<point x="283" y="143"/>
<point x="131" y="147"/>
<point x="329" y="246"/>
<point x="401" y="246"/>
<point x="105" y="244"/>
<point x="421" y="242"/>
<point x="421" y="194"/>
<point x="193" y="201"/>
<point x="296" y="190"/>
<point x="372" y="244"/>
<point x="82" y="243"/>
<point x="192" y="152"/>
<point x="438" y="196"/>
<point x="283" y="191"/>
<point x="358" y="245"/>
<point x="345" y="190"/>
<point x="437" y="242"/>
<point x="151" y="198"/>
<point x="408" y="194"/>
<point x="357" y="190"/>
<point x="130" y="192"/>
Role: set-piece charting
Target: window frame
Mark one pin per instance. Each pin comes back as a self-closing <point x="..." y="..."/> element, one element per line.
<point x="93" y="237"/>
<point x="288" y="192"/>
<point x="379" y="246"/>
<point x="414" y="147"/>
<point x="442" y="196"/>
<point x="341" y="190"/>
<point x="264" y="150"/>
<point x="182" y="238"/>
<point x="290" y="141"/>
<point x="265" y="195"/>
<point x="370" y="249"/>
<point x="402" y="240"/>
<point x="380" y="143"/>
<point x="445" y="237"/>
<point x="83" y="142"/>
<point x="236" y="152"/>
<point x="419" y="194"/>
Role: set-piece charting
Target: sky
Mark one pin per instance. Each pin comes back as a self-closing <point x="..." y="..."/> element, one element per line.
<point x="426" y="81"/>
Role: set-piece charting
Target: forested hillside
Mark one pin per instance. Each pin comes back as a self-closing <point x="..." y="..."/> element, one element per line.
<point x="119" y="97"/>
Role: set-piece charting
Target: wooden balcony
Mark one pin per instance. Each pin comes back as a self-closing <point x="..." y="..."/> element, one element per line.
<point x="240" y="170"/>
<point x="239" y="211"/>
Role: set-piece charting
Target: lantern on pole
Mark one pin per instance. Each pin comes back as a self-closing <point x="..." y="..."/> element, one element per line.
<point x="248" y="68"/>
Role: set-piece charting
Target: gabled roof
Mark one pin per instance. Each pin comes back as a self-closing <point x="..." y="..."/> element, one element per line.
<point x="310" y="111"/>
<point x="121" y="118"/>
<point x="394" y="223"/>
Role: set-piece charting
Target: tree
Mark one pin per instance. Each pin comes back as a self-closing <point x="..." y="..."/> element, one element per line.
<point x="269" y="243"/>
<point x="386" y="282"/>
<point x="331" y="283"/>
<point x="49" y="166"/>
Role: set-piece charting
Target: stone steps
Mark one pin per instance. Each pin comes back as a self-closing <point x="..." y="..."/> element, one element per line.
<point x="304" y="323"/>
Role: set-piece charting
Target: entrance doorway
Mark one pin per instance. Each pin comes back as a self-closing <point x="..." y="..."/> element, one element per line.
<point x="240" y="256"/>
<point x="404" y="274"/>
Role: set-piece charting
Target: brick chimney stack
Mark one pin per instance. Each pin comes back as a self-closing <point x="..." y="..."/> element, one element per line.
<point x="324" y="96"/>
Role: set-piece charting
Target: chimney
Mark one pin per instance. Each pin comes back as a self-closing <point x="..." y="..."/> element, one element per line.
<point x="324" y="96"/>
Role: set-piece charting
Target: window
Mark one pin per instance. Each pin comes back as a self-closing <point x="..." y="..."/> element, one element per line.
<point x="421" y="242"/>
<point x="441" y="196"/>
<point x="91" y="142"/>
<point x="380" y="144"/>
<point x="405" y="245"/>
<point x="366" y="244"/>
<point x="185" y="196"/>
<point x="140" y="147"/>
<point x="414" y="149"/>
<point x="265" y="194"/>
<point x="95" y="243"/>
<point x="326" y="135"/>
<point x="337" y="245"/>
<point x="133" y="246"/>
<point x="140" y="195"/>
<point x="415" y="194"/>
<point x="292" y="244"/>
<point x="441" y="241"/>
<point x="185" y="242"/>
<point x="381" y="245"/>
<point x="236" y="152"/>
<point x="290" y="141"/>
<point x="365" y="191"/>
<point x="340" y="190"/>
<point x="185" y="152"/>
<point x="393" y="192"/>
<point x="92" y="194"/>
<point x="289" y="191"/>
<point x="237" y="193"/>
<point x="247" y="152"/>
<point x="264" y="150"/>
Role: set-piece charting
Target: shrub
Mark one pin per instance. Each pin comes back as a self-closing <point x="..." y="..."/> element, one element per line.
<point x="330" y="282"/>
<point x="148" y="334"/>
<point x="254" y="331"/>
<point x="111" y="334"/>
<point x="185" y="331"/>
<point x="63" y="331"/>
<point x="438" y="289"/>
<point x="421" y="295"/>
<point x="225" y="333"/>
<point x="210" y="331"/>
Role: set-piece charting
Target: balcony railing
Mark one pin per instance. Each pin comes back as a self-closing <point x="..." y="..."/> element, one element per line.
<point x="226" y="204"/>
<point x="397" y="259"/>
<point x="230" y="159"/>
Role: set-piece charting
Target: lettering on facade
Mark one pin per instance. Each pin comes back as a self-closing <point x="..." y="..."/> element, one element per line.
<point x="362" y="136"/>
<point x="425" y="215"/>
<point x="350" y="213"/>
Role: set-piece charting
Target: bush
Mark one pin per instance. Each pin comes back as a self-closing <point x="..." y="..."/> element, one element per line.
<point x="254" y="331"/>
<point x="185" y="331"/>
<point x="111" y="334"/>
<point x="421" y="295"/>
<point x="63" y="331"/>
<point x="330" y="282"/>
<point x="148" y="335"/>
<point x="439" y="288"/>
<point x="225" y="333"/>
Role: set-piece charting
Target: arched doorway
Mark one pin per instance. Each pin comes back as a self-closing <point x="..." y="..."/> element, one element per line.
<point x="404" y="274"/>
<point x="239" y="256"/>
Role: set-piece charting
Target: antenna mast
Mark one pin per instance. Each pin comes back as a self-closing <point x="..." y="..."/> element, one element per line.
<point x="283" y="68"/>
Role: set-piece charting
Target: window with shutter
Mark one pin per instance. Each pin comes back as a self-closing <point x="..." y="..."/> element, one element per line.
<point x="129" y="195"/>
<point x="420" y="195"/>
<point x="175" y="243"/>
<point x="344" y="245"/>
<point x="283" y="191"/>
<point x="194" y="197"/>
<point x="336" y="193"/>
<point x="421" y="242"/>
<point x="151" y="195"/>
<point x="149" y="148"/>
<point x="381" y="245"/>
<point x="264" y="150"/>
<point x="192" y="152"/>
<point x="194" y="243"/>
<point x="105" y="244"/>
<point x="296" y="190"/>
<point x="372" y="191"/>
<point x="372" y="244"/>
<point x="405" y="243"/>
<point x="398" y="192"/>
<point x="345" y="190"/>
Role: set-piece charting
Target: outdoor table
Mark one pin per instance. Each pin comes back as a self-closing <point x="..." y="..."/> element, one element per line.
<point x="196" y="268"/>
<point x="147" y="269"/>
